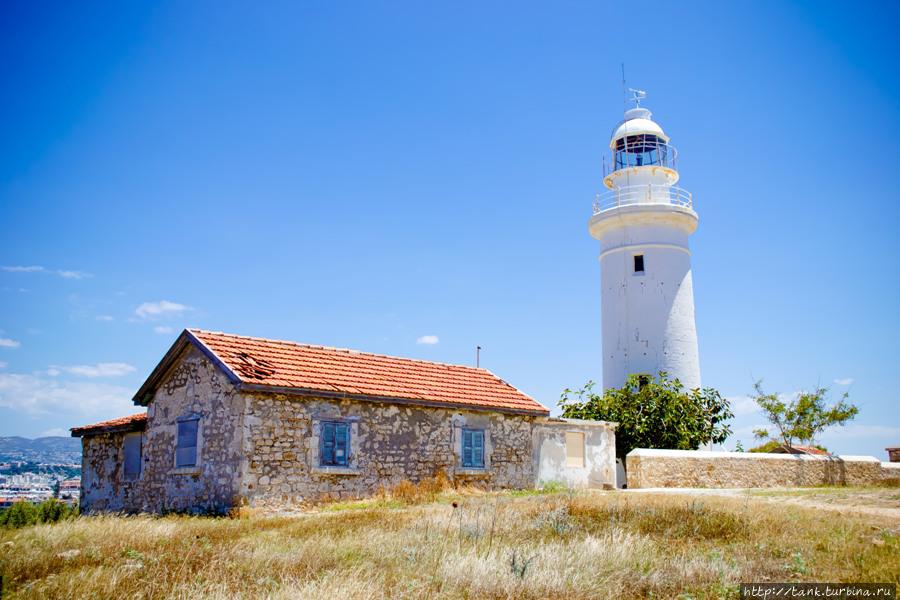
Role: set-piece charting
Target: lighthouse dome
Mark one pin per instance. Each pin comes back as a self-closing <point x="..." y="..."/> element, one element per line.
<point x="637" y="122"/>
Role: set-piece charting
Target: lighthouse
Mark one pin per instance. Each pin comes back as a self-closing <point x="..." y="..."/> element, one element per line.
<point x="643" y="222"/>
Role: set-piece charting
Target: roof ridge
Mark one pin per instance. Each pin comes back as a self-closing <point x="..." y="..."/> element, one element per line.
<point x="346" y="350"/>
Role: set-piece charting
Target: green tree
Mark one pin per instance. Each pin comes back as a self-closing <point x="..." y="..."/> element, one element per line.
<point x="52" y="510"/>
<point x="24" y="513"/>
<point x="20" y="514"/>
<point x="653" y="413"/>
<point x="802" y="418"/>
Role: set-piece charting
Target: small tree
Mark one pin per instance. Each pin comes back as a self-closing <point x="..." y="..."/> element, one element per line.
<point x="20" y="514"/>
<point x="803" y="418"/>
<point x="653" y="413"/>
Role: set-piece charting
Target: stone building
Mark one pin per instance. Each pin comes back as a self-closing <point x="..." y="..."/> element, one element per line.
<point x="234" y="420"/>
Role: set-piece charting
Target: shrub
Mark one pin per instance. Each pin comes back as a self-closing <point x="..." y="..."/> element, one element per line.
<point x="773" y="445"/>
<point x="558" y="521"/>
<point x="653" y="413"/>
<point x="20" y="514"/>
<point x="23" y="514"/>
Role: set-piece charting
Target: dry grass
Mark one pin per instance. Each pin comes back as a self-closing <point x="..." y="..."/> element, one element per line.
<point x="875" y="496"/>
<point x="559" y="545"/>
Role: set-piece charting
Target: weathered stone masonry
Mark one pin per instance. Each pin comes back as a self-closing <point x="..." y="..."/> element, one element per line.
<point x="389" y="443"/>
<point x="697" y="468"/>
<point x="193" y="386"/>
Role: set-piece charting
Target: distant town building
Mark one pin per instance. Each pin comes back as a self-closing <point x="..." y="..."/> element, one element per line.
<point x="31" y="487"/>
<point x="69" y="490"/>
<point x="893" y="454"/>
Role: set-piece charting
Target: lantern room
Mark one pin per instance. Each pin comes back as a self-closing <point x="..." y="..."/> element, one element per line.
<point x="639" y="142"/>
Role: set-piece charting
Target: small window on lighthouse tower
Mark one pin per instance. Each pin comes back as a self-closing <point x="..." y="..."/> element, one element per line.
<point x="638" y="263"/>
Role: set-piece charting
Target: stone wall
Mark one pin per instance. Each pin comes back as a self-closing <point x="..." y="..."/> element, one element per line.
<point x="697" y="468"/>
<point x="388" y="443"/>
<point x="262" y="449"/>
<point x="890" y="471"/>
<point x="193" y="387"/>
<point x="550" y="453"/>
<point x="103" y="484"/>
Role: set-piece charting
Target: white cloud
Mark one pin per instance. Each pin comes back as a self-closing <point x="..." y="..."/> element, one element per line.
<point x="72" y="274"/>
<point x="104" y="318"/>
<point x="16" y="269"/>
<point x="162" y="329"/>
<point x="3" y="365"/>
<point x="8" y="343"/>
<point x="66" y="274"/>
<point x="844" y="381"/>
<point x="55" y="432"/>
<point x="428" y="340"/>
<point x="149" y="310"/>
<point x="746" y="432"/>
<point x="743" y="405"/>
<point x="99" y="370"/>
<point x="37" y="396"/>
<point x="52" y="372"/>
<point x="858" y="430"/>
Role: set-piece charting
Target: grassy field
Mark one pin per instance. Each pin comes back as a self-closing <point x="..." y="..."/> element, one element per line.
<point x="887" y="498"/>
<point x="554" y="545"/>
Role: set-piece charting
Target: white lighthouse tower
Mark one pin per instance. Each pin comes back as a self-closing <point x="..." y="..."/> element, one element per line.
<point x="643" y="223"/>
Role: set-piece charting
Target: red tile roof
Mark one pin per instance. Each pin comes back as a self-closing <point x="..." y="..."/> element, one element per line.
<point x="135" y="422"/>
<point x="270" y="365"/>
<point x="797" y="449"/>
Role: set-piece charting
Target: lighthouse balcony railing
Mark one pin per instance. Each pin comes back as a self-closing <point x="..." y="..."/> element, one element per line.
<point x="643" y="194"/>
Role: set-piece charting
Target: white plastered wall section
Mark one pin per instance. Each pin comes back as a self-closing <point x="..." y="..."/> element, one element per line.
<point x="648" y="318"/>
<point x="551" y="456"/>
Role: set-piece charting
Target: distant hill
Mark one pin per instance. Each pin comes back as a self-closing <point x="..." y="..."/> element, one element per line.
<point x="55" y="449"/>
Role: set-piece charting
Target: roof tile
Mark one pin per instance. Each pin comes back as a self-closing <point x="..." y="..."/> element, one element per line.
<point x="130" y="423"/>
<point x="280" y="364"/>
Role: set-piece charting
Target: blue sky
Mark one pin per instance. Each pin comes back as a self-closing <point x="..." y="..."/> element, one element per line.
<point x="366" y="174"/>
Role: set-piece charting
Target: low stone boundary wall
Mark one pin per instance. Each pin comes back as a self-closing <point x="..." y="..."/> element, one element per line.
<point x="890" y="470"/>
<point x="699" y="468"/>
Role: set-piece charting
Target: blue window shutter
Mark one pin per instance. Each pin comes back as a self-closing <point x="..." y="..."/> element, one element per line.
<point x="341" y="439"/>
<point x="327" y="457"/>
<point x="478" y="448"/>
<point x="132" y="466"/>
<point x="467" y="448"/>
<point x="187" y="433"/>
<point x="186" y="444"/>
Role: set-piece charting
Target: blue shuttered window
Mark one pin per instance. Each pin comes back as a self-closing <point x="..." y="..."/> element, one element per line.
<point x="334" y="444"/>
<point x="132" y="447"/>
<point x="186" y="446"/>
<point x="473" y="448"/>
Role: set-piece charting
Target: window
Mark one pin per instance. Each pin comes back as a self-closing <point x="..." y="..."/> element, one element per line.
<point x="334" y="444"/>
<point x="574" y="449"/>
<point x="643" y="381"/>
<point x="473" y="448"/>
<point x="638" y="263"/>
<point x="186" y="447"/>
<point x="132" y="446"/>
